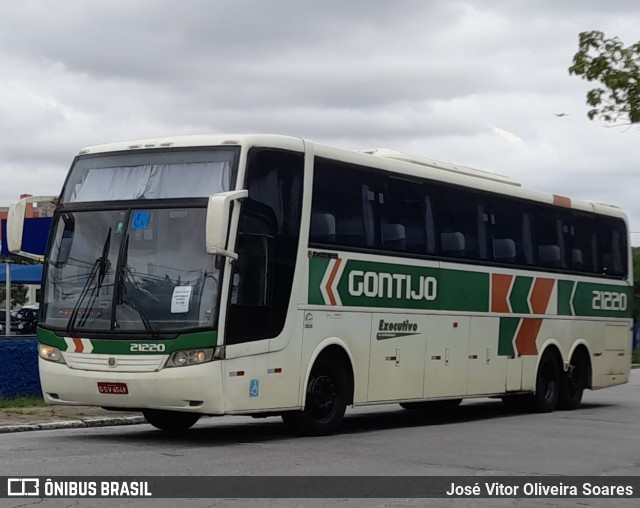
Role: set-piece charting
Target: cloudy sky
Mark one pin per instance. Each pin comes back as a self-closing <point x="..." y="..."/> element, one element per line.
<point x="477" y="83"/>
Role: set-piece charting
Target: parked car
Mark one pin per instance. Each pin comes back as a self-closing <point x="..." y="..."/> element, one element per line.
<point x="27" y="320"/>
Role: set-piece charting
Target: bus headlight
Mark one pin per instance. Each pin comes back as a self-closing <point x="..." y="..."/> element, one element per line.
<point x="190" y="357"/>
<point x="50" y="353"/>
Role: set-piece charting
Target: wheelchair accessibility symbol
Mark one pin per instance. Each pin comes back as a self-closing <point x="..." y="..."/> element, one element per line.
<point x="139" y="220"/>
<point x="254" y="388"/>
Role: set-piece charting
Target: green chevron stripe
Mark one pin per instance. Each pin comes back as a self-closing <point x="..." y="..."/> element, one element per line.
<point x="519" y="294"/>
<point x="565" y="288"/>
<point x="507" y="331"/>
<point x="317" y="269"/>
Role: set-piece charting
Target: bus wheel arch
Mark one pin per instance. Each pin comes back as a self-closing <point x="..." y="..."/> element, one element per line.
<point x="576" y="378"/>
<point x="328" y="391"/>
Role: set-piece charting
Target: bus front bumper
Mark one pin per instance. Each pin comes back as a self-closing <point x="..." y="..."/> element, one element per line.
<point x="196" y="388"/>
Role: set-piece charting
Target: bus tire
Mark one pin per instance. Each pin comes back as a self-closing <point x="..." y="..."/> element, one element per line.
<point x="574" y="381"/>
<point x="431" y="405"/>
<point x="548" y="379"/>
<point x="326" y="401"/>
<point x="170" y="420"/>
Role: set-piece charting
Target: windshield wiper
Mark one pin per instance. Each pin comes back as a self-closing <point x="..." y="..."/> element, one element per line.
<point x="121" y="272"/>
<point x="123" y="275"/>
<point x="98" y="271"/>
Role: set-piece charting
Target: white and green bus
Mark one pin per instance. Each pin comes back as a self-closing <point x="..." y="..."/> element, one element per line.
<point x="267" y="275"/>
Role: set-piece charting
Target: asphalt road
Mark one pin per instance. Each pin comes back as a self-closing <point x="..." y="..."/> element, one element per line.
<point x="477" y="439"/>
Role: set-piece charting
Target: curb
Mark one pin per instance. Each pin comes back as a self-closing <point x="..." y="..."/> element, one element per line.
<point x="75" y="424"/>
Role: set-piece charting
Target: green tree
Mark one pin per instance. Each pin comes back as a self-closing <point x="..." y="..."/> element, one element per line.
<point x="617" y="69"/>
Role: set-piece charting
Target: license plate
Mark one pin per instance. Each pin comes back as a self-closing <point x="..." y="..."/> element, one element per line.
<point x="113" y="388"/>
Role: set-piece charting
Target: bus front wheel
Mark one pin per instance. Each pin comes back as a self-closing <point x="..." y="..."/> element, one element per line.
<point x="170" y="420"/>
<point x="326" y="401"/>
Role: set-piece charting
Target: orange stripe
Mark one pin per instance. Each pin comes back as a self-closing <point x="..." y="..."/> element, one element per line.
<point x="561" y="201"/>
<point x="500" y="285"/>
<point x="79" y="345"/>
<point x="541" y="294"/>
<point x="526" y="338"/>
<point x="334" y="271"/>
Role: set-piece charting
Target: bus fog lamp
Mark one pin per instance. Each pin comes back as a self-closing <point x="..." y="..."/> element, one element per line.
<point x="50" y="353"/>
<point x="190" y="357"/>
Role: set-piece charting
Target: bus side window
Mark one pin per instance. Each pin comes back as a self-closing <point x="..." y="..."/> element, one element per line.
<point x="322" y="228"/>
<point x="583" y="244"/>
<point x="550" y="256"/>
<point x="346" y="194"/>
<point x="462" y="214"/>
<point x="510" y="232"/>
<point x="504" y="250"/>
<point x="551" y="237"/>
<point x="351" y="232"/>
<point x="612" y="245"/>
<point x="577" y="259"/>
<point x="453" y="244"/>
<point x="394" y="237"/>
<point x="406" y="220"/>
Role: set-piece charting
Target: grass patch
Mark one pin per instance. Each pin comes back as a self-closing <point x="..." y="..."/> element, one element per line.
<point x="21" y="402"/>
<point x="635" y="356"/>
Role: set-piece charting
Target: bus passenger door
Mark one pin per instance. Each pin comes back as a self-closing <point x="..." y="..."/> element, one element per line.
<point x="446" y="358"/>
<point x="396" y="363"/>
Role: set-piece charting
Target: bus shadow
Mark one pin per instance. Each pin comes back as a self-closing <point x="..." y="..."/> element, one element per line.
<point x="475" y="411"/>
<point x="216" y="432"/>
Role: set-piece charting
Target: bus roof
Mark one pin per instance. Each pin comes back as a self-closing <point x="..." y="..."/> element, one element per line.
<point x="444" y="166"/>
<point x="387" y="159"/>
<point x="198" y="140"/>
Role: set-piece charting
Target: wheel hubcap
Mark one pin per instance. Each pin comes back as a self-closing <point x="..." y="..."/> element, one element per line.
<point x="323" y="397"/>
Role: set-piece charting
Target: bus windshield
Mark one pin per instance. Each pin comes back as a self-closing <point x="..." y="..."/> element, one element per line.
<point x="130" y="270"/>
<point x="175" y="174"/>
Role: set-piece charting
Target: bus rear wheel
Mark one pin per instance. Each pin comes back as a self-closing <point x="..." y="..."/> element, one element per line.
<point x="574" y="381"/>
<point x="170" y="420"/>
<point x="547" y="393"/>
<point x="326" y="401"/>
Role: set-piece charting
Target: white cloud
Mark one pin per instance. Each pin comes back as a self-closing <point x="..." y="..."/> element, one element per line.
<point x="507" y="136"/>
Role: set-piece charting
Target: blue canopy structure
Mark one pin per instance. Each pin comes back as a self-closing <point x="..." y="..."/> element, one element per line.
<point x="22" y="274"/>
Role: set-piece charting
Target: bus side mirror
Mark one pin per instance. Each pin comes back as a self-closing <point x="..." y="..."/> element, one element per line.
<point x="15" y="225"/>
<point x="217" y="227"/>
